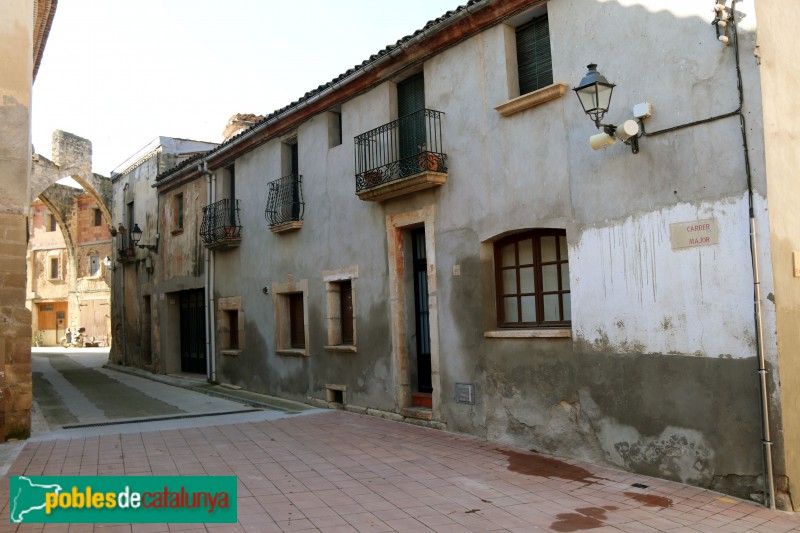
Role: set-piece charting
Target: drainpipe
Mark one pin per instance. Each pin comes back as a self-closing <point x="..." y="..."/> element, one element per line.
<point x="211" y="367"/>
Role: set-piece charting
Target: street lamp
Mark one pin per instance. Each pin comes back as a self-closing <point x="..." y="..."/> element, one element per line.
<point x="136" y="235"/>
<point x="594" y="92"/>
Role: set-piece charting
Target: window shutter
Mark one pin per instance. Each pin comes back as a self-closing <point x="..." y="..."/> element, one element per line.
<point x="410" y="99"/>
<point x="410" y="95"/>
<point x="533" y="55"/>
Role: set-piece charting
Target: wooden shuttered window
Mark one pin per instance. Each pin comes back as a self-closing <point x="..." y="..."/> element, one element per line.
<point x="533" y="55"/>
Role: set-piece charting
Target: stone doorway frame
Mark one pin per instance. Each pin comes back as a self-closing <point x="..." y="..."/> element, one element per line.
<point x="397" y="226"/>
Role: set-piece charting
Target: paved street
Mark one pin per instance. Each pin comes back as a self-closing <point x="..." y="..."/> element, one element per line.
<point x="336" y="471"/>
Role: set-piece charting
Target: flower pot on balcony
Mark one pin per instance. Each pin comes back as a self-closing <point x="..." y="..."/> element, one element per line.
<point x="428" y="161"/>
<point x="230" y="232"/>
<point x="373" y="178"/>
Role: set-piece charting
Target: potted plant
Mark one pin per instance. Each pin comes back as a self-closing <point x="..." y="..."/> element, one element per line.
<point x="428" y="161"/>
<point x="373" y="178"/>
<point x="230" y="232"/>
<point x="37" y="338"/>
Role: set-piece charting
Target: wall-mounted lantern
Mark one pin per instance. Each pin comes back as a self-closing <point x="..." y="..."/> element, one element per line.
<point x="136" y="236"/>
<point x="594" y="92"/>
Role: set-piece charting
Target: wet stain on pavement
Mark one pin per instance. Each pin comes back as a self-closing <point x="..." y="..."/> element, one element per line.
<point x="539" y="465"/>
<point x="650" y="500"/>
<point x="582" y="519"/>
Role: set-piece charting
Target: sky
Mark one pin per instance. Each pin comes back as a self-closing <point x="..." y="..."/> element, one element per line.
<point x="121" y="73"/>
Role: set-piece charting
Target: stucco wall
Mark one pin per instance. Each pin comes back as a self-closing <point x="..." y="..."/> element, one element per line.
<point x="658" y="372"/>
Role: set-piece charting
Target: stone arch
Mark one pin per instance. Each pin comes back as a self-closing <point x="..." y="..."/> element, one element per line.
<point x="71" y="158"/>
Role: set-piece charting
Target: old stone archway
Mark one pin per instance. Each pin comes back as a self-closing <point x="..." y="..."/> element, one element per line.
<point x="83" y="283"/>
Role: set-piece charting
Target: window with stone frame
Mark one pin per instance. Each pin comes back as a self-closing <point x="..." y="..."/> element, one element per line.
<point x="341" y="316"/>
<point x="532" y="280"/>
<point x="94" y="265"/>
<point x="291" y="318"/>
<point x="54" y="267"/>
<point x="230" y="321"/>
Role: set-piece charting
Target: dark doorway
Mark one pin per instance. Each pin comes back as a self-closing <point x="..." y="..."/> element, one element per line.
<point x="193" y="332"/>
<point x="421" y="312"/>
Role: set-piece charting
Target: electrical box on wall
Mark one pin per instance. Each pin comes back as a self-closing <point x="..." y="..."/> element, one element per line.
<point x="465" y="393"/>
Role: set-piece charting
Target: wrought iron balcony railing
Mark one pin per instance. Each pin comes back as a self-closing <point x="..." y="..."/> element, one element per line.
<point x="221" y="224"/>
<point x="285" y="204"/>
<point x="409" y="145"/>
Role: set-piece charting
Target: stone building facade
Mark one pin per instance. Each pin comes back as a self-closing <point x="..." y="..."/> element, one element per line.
<point x="69" y="288"/>
<point x="133" y="270"/>
<point x="430" y="238"/>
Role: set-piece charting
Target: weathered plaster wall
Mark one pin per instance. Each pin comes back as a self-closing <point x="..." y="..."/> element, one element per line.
<point x="326" y="242"/>
<point x="642" y="312"/>
<point x="182" y="266"/>
<point x="778" y="55"/>
<point x="658" y="373"/>
<point x="131" y="279"/>
<point x="178" y="265"/>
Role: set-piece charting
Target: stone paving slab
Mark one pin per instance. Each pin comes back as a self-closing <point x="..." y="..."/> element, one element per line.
<point x="336" y="471"/>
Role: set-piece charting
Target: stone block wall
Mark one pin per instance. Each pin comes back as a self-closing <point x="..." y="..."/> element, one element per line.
<point x="15" y="344"/>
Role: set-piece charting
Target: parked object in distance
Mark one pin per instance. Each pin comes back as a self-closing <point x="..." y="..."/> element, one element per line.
<point x="70" y="340"/>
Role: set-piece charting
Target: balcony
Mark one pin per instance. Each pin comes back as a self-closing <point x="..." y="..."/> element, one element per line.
<point x="221" y="227"/>
<point x="285" y="204"/>
<point x="401" y="157"/>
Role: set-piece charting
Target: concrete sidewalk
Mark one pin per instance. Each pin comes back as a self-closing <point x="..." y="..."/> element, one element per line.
<point x="336" y="471"/>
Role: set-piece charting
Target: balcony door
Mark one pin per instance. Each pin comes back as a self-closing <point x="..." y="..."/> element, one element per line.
<point x="410" y="100"/>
